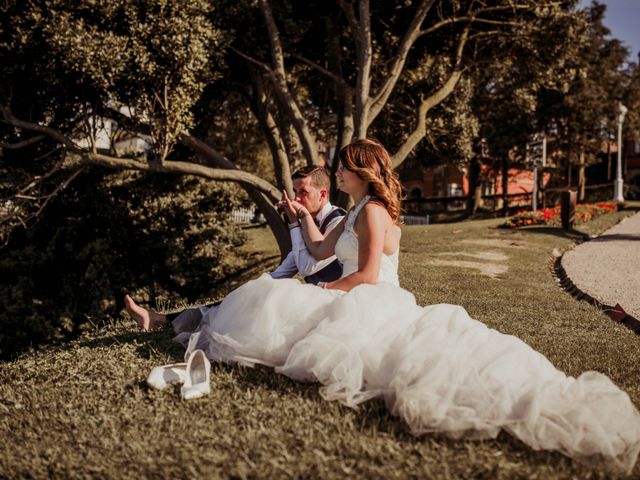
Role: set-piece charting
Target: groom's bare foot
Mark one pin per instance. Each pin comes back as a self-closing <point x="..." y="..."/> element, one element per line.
<point x="147" y="319"/>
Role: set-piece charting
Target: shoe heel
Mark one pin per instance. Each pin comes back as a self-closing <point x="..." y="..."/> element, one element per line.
<point x="196" y="383"/>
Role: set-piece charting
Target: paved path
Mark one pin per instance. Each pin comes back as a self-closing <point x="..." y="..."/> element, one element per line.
<point x="608" y="267"/>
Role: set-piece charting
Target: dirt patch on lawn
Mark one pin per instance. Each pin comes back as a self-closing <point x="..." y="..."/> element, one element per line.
<point x="491" y="256"/>
<point x="492" y="270"/>
<point x="495" y="242"/>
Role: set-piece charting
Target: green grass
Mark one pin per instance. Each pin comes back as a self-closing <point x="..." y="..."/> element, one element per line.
<point x="83" y="409"/>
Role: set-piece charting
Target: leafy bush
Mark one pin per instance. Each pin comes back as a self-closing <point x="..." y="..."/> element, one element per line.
<point x="105" y="235"/>
<point x="551" y="216"/>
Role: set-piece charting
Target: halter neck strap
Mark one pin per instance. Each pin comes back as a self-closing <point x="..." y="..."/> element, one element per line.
<point x="360" y="205"/>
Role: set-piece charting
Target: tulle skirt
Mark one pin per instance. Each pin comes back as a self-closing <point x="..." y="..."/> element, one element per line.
<point x="435" y="367"/>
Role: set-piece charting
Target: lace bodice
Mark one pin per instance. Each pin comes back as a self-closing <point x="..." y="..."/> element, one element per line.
<point x="347" y="250"/>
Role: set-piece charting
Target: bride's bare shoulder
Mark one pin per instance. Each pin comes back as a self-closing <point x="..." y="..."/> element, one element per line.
<point x="376" y="211"/>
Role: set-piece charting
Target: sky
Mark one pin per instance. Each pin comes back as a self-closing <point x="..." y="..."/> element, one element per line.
<point x="623" y="19"/>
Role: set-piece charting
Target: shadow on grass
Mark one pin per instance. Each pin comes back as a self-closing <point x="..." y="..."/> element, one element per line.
<point x="372" y="418"/>
<point x="244" y="274"/>
<point x="147" y="344"/>
<point x="610" y="238"/>
<point x="571" y="234"/>
<point x="375" y="416"/>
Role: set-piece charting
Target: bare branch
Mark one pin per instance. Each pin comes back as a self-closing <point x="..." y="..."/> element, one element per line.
<point x="287" y="100"/>
<point x="258" y="63"/>
<point x="336" y="78"/>
<point x="14" y="213"/>
<point x="411" y="35"/>
<point x="347" y="8"/>
<point x="48" y="131"/>
<point x="260" y="107"/>
<point x="207" y="151"/>
<point x="427" y="104"/>
<point x="22" y="144"/>
<point x="185" y="168"/>
<point x="39" y="179"/>
<point x="57" y="190"/>
<point x="474" y="18"/>
<point x="263" y="201"/>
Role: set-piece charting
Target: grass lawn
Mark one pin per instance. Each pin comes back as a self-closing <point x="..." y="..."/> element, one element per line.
<point x="83" y="409"/>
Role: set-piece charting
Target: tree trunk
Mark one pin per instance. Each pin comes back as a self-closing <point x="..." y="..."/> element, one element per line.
<point x="365" y="58"/>
<point x="276" y="224"/>
<point x="581" y="179"/>
<point x="475" y="187"/>
<point x="260" y="107"/>
<point x="541" y="188"/>
<point x="505" y="187"/>
<point x="608" y="160"/>
<point x="344" y="111"/>
<point x="287" y="100"/>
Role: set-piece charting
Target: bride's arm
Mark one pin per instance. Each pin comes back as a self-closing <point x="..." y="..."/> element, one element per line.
<point x="371" y="227"/>
<point x="319" y="246"/>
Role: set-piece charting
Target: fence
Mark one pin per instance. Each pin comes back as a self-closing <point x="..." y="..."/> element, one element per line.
<point x="242" y="215"/>
<point x="421" y="206"/>
<point x="548" y="197"/>
<point x="414" y="219"/>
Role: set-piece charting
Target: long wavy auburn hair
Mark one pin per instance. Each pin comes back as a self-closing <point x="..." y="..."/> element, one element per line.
<point x="368" y="159"/>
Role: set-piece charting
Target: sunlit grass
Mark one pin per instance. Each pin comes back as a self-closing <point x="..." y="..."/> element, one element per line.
<point x="84" y="410"/>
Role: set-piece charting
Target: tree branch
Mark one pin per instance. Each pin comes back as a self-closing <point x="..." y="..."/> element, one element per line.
<point x="48" y="131"/>
<point x="347" y="8"/>
<point x="22" y="144"/>
<point x="263" y="201"/>
<point x="474" y="18"/>
<point x="258" y="63"/>
<point x="278" y="75"/>
<point x="260" y="107"/>
<point x="427" y="104"/>
<point x="411" y="35"/>
<point x="336" y="78"/>
<point x="185" y="168"/>
<point x="365" y="56"/>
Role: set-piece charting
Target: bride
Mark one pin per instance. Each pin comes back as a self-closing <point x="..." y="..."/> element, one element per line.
<point x="362" y="336"/>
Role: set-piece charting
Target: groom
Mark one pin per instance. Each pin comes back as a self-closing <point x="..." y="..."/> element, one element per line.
<point x="311" y="186"/>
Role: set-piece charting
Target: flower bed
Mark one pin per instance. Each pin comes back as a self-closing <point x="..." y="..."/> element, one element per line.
<point x="551" y="216"/>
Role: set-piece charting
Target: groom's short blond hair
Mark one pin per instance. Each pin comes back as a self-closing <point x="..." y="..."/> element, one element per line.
<point x="319" y="176"/>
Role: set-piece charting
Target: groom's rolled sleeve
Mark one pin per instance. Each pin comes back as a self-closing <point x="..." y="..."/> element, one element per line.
<point x="306" y="264"/>
<point x="286" y="269"/>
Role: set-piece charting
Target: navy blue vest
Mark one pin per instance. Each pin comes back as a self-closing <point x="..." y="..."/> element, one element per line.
<point x="333" y="271"/>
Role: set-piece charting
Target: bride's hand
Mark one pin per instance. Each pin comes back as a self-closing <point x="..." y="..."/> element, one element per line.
<point x="289" y="207"/>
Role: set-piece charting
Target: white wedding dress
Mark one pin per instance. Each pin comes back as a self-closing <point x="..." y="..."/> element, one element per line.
<point x="435" y="367"/>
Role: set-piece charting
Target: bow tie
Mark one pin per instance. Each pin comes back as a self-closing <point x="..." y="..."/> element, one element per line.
<point x="316" y="221"/>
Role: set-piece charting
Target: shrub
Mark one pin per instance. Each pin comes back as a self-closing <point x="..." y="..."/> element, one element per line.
<point x="154" y="235"/>
<point x="551" y="216"/>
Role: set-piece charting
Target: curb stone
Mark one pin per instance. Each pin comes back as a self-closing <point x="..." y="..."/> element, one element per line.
<point x="616" y="313"/>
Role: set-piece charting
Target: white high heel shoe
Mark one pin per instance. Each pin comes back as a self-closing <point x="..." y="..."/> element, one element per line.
<point x="166" y="375"/>
<point x="174" y="373"/>
<point x="196" y="383"/>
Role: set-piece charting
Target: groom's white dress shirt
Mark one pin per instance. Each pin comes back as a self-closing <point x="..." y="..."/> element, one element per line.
<point x="299" y="259"/>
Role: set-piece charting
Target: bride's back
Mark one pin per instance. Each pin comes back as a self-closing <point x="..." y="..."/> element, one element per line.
<point x="348" y="244"/>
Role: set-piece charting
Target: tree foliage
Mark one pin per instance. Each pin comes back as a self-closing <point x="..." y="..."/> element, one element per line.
<point x="582" y="114"/>
<point x="314" y="75"/>
<point x="105" y="234"/>
<point x="246" y="91"/>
